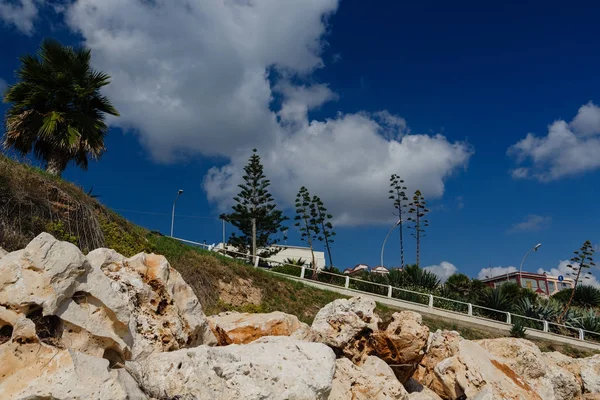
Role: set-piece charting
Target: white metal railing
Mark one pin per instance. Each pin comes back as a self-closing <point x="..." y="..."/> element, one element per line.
<point x="388" y="291"/>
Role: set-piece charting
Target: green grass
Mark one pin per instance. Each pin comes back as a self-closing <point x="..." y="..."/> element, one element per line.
<point x="203" y="270"/>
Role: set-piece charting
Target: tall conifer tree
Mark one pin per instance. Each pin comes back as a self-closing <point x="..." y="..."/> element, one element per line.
<point x="255" y="201"/>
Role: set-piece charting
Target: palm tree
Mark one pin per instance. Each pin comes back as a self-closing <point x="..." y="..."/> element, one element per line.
<point x="57" y="109"/>
<point x="459" y="284"/>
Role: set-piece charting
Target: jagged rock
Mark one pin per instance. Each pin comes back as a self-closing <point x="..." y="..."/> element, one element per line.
<point x="351" y="328"/>
<point x="586" y="371"/>
<point x="402" y="344"/>
<point x="165" y="313"/>
<point x="525" y="358"/>
<point x="3" y="252"/>
<point x="342" y="321"/>
<point x="277" y="368"/>
<point x="374" y="379"/>
<point x="242" y="328"/>
<point x="103" y="305"/>
<point x="454" y="367"/>
<point x="416" y="391"/>
<point x="38" y="371"/>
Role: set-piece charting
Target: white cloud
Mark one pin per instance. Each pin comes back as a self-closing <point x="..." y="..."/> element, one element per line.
<point x="348" y="164"/>
<point x="495" y="271"/>
<point x="193" y="77"/>
<point x="532" y="223"/>
<point x="215" y="77"/>
<point x="567" y="149"/>
<point x="587" y="120"/>
<point x="562" y="269"/>
<point x="20" y="13"/>
<point x="443" y="271"/>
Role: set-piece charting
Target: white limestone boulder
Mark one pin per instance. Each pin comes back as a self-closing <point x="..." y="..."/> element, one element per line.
<point x="242" y="328"/>
<point x="373" y="380"/>
<point x="525" y="358"/>
<point x="270" y="368"/>
<point x="38" y="371"/>
<point x="102" y="305"/>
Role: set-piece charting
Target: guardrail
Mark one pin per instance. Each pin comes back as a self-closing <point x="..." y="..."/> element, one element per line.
<point x="411" y="296"/>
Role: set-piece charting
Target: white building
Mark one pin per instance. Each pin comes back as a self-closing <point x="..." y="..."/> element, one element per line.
<point x="297" y="252"/>
<point x="292" y="252"/>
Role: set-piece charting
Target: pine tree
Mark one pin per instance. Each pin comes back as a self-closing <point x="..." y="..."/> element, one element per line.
<point x="398" y="196"/>
<point x="306" y="221"/>
<point x="325" y="225"/>
<point x="255" y="201"/>
<point x="584" y="257"/>
<point x="417" y="212"/>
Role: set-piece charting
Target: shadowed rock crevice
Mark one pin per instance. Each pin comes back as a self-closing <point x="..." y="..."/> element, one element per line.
<point x="6" y="332"/>
<point x="49" y="328"/>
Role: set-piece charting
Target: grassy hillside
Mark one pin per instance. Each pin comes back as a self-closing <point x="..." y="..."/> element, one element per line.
<point x="32" y="202"/>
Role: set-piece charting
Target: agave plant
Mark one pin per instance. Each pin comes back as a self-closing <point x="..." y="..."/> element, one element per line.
<point x="414" y="276"/>
<point x="545" y="310"/>
<point x="588" y="320"/>
<point x="295" y="261"/>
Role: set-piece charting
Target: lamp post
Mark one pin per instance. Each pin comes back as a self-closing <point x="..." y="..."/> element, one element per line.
<point x="173" y="213"/>
<point x="386" y="238"/>
<point x="534" y="248"/>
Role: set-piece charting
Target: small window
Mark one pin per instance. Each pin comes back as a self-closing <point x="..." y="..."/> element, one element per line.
<point x="551" y="287"/>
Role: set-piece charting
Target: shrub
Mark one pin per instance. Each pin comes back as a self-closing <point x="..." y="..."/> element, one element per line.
<point x="518" y="330"/>
<point x="585" y="296"/>
<point x="287" y="269"/>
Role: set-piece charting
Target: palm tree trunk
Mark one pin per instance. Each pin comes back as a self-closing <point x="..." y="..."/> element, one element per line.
<point x="55" y="164"/>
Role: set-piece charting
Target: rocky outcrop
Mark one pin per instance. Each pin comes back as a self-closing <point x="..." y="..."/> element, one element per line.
<point x="103" y="305"/>
<point x="3" y="252"/>
<point x="416" y="391"/>
<point x="548" y="380"/>
<point x="39" y="371"/>
<point x="585" y="370"/>
<point x="103" y="326"/>
<point x="455" y="367"/>
<point x="272" y="368"/>
<point x="354" y="331"/>
<point x="243" y="328"/>
<point x="373" y="380"/>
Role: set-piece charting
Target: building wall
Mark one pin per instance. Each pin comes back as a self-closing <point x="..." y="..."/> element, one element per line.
<point x="303" y="253"/>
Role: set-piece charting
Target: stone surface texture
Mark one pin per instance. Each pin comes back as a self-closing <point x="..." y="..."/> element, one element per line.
<point x="274" y="368"/>
<point x="243" y="328"/>
<point x="374" y="379"/>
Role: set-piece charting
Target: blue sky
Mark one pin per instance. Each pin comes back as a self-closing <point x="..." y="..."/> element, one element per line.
<point x="337" y="95"/>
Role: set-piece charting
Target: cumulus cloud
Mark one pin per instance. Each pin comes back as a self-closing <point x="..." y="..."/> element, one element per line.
<point x="194" y="77"/>
<point x="443" y="271"/>
<point x="218" y="78"/>
<point x="495" y="271"/>
<point x="20" y="13"/>
<point x="532" y="223"/>
<point x="562" y="269"/>
<point x="348" y="164"/>
<point x="568" y="148"/>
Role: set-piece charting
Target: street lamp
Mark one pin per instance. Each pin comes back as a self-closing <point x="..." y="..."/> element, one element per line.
<point x="534" y="248"/>
<point x="173" y="213"/>
<point x="386" y="238"/>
